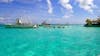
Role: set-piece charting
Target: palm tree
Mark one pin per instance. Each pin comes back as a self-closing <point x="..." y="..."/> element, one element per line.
<point x="88" y="22"/>
<point x="98" y="20"/>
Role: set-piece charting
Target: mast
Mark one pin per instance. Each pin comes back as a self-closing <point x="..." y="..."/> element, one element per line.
<point x="18" y="21"/>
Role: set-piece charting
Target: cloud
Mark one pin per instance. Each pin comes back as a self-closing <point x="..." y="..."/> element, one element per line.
<point x="6" y="1"/>
<point x="87" y="5"/>
<point x="66" y="5"/>
<point x="67" y="15"/>
<point x="21" y="1"/>
<point x="69" y="9"/>
<point x="50" y="9"/>
<point x="1" y="18"/>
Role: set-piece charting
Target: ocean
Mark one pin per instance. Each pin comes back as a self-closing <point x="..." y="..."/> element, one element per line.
<point x="73" y="40"/>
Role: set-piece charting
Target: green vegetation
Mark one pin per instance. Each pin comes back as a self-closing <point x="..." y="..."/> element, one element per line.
<point x="94" y="23"/>
<point x="89" y="22"/>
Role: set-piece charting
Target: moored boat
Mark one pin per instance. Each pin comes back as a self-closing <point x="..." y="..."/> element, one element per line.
<point x="19" y="24"/>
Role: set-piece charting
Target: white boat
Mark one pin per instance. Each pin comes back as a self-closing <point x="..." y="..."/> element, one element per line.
<point x="35" y="26"/>
<point x="19" y="24"/>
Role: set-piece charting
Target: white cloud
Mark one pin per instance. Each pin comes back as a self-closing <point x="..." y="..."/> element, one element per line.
<point x="66" y="5"/>
<point x="6" y="1"/>
<point x="87" y="5"/>
<point x="1" y="18"/>
<point x="50" y="9"/>
<point x="67" y="15"/>
<point x="69" y="9"/>
<point x="21" y="1"/>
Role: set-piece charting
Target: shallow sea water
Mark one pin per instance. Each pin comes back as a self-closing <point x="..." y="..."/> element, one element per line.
<point x="73" y="40"/>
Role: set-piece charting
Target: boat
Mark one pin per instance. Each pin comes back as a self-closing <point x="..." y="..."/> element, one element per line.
<point x="35" y="26"/>
<point x="19" y="24"/>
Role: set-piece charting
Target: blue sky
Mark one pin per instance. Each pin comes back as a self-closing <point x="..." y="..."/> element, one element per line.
<point x="53" y="11"/>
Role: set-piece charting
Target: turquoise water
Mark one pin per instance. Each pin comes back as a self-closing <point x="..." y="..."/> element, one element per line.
<point x="74" y="40"/>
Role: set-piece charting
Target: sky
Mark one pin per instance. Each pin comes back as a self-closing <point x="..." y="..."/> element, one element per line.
<point x="51" y="11"/>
